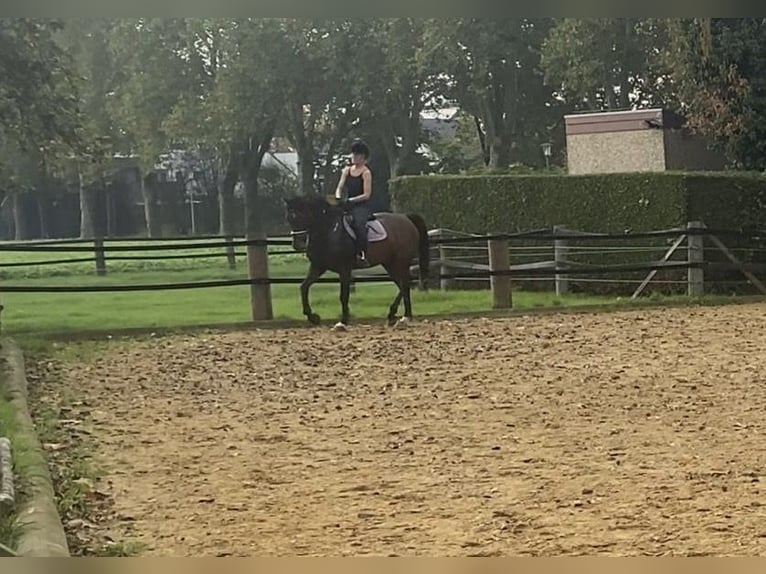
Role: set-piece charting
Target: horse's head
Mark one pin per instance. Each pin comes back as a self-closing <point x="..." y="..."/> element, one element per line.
<point x="304" y="214"/>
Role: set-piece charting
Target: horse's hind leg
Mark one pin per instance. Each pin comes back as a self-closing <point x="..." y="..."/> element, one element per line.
<point x="405" y="291"/>
<point x="394" y="308"/>
<point x="402" y="279"/>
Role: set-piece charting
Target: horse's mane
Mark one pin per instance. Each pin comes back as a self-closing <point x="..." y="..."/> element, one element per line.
<point x="312" y="200"/>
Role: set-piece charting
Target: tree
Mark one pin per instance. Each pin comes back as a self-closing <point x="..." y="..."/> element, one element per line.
<point x="607" y="63"/>
<point x="459" y="152"/>
<point x="246" y="103"/>
<point x="156" y="71"/>
<point x="89" y="44"/>
<point x="39" y="116"/>
<point x="399" y="79"/>
<point x="195" y="121"/>
<point x="495" y="75"/>
<point x="719" y="71"/>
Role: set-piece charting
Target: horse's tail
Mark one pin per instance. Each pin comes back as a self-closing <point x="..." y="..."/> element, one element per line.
<point x="424" y="248"/>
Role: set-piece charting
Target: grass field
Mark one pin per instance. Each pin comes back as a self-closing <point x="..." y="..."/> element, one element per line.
<point x="28" y="313"/>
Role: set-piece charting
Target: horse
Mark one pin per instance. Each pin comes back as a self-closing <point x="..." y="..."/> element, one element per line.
<point x="322" y="230"/>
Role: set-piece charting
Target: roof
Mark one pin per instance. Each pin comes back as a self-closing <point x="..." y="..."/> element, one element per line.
<point x="620" y="121"/>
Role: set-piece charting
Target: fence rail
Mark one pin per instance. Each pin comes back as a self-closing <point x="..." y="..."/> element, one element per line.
<point x="497" y="251"/>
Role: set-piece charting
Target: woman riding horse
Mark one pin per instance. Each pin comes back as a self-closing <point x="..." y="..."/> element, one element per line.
<point x="317" y="228"/>
<point x="354" y="192"/>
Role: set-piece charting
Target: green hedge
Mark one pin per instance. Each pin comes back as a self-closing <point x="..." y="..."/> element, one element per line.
<point x="600" y="203"/>
<point x="597" y="203"/>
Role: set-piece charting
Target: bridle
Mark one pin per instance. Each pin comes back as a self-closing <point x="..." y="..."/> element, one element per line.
<point x="301" y="232"/>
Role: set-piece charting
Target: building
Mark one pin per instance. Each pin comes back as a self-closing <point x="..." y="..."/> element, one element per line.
<point x="636" y="140"/>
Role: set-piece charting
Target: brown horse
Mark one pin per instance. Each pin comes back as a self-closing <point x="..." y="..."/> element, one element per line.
<point x="319" y="230"/>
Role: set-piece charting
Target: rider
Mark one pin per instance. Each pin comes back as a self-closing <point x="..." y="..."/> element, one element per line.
<point x="354" y="190"/>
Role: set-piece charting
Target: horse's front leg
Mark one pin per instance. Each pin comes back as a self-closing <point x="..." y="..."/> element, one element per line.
<point x="345" y="291"/>
<point x="314" y="273"/>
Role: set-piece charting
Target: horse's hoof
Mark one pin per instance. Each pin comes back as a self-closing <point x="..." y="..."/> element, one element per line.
<point x="314" y="319"/>
<point x="340" y="326"/>
<point x="402" y="323"/>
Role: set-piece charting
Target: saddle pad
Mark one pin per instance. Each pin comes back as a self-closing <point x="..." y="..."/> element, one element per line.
<point x="375" y="230"/>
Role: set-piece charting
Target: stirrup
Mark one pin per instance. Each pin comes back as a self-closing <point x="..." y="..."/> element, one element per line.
<point x="362" y="260"/>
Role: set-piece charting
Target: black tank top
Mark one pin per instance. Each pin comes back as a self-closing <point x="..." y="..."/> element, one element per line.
<point x="354" y="185"/>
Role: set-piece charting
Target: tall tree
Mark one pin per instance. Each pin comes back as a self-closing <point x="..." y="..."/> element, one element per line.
<point x="494" y="65"/>
<point x="719" y="71"/>
<point x="156" y="70"/>
<point x="88" y="42"/>
<point x="39" y="116"/>
<point x="246" y="103"/>
<point x="196" y="121"/>
<point x="607" y="63"/>
<point x="398" y="79"/>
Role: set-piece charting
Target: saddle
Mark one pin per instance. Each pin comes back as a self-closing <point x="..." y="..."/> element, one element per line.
<point x="375" y="229"/>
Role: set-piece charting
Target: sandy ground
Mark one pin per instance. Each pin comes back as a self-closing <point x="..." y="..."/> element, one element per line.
<point x="638" y="433"/>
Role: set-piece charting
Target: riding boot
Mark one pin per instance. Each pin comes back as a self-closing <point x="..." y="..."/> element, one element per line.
<point x="361" y="258"/>
<point x="361" y="215"/>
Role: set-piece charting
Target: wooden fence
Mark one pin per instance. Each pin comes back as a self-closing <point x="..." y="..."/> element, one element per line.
<point x="688" y="242"/>
<point x="498" y="251"/>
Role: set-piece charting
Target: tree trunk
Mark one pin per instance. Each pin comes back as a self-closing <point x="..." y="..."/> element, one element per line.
<point x="624" y="100"/>
<point x="111" y="214"/>
<point x="86" y="210"/>
<point x="482" y="140"/>
<point x="251" y="168"/>
<point x="227" y="180"/>
<point x="500" y="153"/>
<point x="42" y="210"/>
<point x="497" y="139"/>
<point x="151" y="216"/>
<point x="306" y="169"/>
<point x="301" y="134"/>
<point x="21" y="229"/>
<point x="410" y="139"/>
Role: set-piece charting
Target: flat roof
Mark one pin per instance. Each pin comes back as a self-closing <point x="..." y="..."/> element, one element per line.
<point x="621" y="121"/>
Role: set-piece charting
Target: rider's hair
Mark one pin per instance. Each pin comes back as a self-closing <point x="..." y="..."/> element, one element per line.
<point x="358" y="146"/>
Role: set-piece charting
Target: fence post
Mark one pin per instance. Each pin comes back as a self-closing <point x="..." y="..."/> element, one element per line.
<point x="500" y="261"/>
<point x="258" y="269"/>
<point x="560" y="248"/>
<point x="695" y="245"/>
<point x="230" y="254"/>
<point x="445" y="283"/>
<point x="100" y="256"/>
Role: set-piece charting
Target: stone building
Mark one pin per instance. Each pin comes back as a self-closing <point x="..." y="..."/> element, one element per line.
<point x="636" y="140"/>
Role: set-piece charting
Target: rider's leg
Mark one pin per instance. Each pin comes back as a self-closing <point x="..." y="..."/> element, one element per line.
<point x="360" y="215"/>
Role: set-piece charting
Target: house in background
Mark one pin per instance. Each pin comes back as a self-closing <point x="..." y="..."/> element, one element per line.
<point x="440" y="123"/>
<point x="636" y="140"/>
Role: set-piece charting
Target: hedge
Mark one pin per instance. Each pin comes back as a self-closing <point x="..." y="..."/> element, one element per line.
<point x="610" y="203"/>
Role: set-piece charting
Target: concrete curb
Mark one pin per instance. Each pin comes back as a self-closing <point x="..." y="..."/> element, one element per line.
<point x="42" y="534"/>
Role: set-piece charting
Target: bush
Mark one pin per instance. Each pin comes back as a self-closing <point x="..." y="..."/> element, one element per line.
<point x="606" y="203"/>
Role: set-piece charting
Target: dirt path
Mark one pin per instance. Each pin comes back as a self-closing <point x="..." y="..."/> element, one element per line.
<point x="621" y="434"/>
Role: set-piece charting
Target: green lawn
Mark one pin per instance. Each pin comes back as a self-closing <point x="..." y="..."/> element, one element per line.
<point x="29" y="313"/>
<point x="32" y="312"/>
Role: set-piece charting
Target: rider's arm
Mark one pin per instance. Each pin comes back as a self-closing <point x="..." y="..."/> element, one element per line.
<point x="341" y="183"/>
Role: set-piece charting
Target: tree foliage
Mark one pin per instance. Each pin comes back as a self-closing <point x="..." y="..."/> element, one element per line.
<point x="75" y="94"/>
<point x="494" y="67"/>
<point x="607" y="63"/>
<point x="720" y="75"/>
